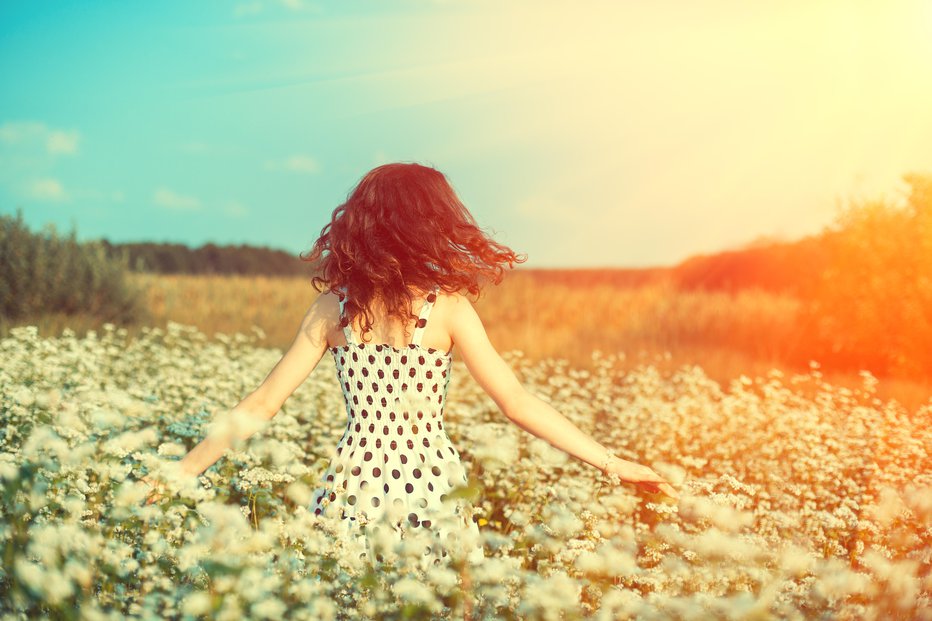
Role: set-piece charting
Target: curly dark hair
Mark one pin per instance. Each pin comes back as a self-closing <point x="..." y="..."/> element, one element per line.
<point x="403" y="227"/>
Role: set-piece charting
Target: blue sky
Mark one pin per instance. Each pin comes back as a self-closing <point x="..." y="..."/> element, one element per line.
<point x="584" y="134"/>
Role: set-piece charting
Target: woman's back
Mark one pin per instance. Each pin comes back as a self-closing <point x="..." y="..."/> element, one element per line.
<point x="385" y="330"/>
<point x="395" y="464"/>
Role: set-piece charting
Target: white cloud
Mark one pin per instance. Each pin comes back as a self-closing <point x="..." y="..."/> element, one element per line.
<point x="56" y="141"/>
<point x="62" y="142"/>
<point x="17" y="131"/>
<point x="172" y="200"/>
<point x="236" y="209"/>
<point x="296" y="163"/>
<point x="47" y="189"/>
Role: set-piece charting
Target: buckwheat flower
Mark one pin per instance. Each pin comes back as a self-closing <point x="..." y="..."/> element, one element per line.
<point x="130" y="441"/>
<point x="236" y="426"/>
<point x="8" y="468"/>
<point x="130" y="493"/>
<point x="518" y="517"/>
<point x="269" y="608"/>
<point x="722" y="516"/>
<point x="497" y="569"/>
<point x="415" y="592"/>
<point x="106" y="418"/>
<point x="550" y="597"/>
<point x="299" y="492"/>
<point x="172" y="449"/>
<point x="545" y="454"/>
<point x="837" y="580"/>
<point x="674" y="474"/>
<point x="79" y="573"/>
<point x="563" y="523"/>
<point x="494" y="445"/>
<point x="919" y="499"/>
<point x="31" y="574"/>
<point x="796" y="560"/>
<point x="444" y="579"/>
<point x="43" y="441"/>
<point x="888" y="507"/>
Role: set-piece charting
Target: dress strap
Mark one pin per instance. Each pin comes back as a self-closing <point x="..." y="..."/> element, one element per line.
<point x="422" y="318"/>
<point x="347" y="331"/>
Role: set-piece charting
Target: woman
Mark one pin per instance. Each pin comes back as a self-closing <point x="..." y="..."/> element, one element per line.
<point x="401" y="250"/>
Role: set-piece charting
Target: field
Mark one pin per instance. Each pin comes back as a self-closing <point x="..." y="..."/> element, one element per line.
<point x="543" y="315"/>
<point x="800" y="499"/>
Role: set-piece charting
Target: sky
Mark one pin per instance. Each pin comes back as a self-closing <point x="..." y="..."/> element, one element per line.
<point x="583" y="134"/>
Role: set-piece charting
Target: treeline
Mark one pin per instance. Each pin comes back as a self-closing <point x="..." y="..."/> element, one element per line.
<point x="207" y="259"/>
<point x="779" y="267"/>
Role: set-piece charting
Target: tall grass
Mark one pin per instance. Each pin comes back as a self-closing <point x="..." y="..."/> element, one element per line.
<point x="727" y="334"/>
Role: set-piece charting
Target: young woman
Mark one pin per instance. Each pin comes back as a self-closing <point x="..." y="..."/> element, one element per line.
<point x="393" y="264"/>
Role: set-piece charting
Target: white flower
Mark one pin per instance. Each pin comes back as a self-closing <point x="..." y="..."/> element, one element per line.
<point x="416" y="592"/>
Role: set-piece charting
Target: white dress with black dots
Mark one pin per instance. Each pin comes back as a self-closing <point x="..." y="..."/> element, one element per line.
<point x="395" y="464"/>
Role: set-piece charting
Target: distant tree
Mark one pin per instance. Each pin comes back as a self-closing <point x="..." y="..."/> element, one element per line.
<point x="871" y="305"/>
<point x="209" y="259"/>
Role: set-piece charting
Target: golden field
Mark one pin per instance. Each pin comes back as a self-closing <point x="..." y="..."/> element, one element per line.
<point x="727" y="334"/>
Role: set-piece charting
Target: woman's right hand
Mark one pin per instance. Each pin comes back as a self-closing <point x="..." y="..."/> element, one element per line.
<point x="155" y="490"/>
<point x="644" y="477"/>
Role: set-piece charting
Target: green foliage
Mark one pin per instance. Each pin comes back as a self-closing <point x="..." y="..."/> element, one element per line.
<point x="871" y="305"/>
<point x="46" y="272"/>
<point x="207" y="259"/>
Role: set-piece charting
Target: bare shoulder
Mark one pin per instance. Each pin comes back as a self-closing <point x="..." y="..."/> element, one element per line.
<point x="324" y="311"/>
<point x="459" y="316"/>
<point x="454" y="305"/>
<point x="327" y="303"/>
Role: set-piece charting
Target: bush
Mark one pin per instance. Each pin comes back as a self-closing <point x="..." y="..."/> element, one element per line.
<point x="871" y="306"/>
<point x="45" y="272"/>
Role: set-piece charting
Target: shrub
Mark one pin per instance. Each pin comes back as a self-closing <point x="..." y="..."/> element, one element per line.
<point x="46" y="272"/>
<point x="871" y="306"/>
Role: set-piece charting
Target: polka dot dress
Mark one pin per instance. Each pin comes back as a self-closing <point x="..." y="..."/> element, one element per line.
<point x="395" y="464"/>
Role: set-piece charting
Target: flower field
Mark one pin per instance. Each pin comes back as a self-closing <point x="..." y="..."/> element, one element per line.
<point x="792" y="506"/>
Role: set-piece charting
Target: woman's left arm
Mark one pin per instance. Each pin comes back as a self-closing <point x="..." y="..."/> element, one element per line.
<point x="263" y="403"/>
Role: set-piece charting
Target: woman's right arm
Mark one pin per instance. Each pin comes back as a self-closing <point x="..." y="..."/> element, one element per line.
<point x="263" y="403"/>
<point x="528" y="411"/>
